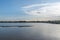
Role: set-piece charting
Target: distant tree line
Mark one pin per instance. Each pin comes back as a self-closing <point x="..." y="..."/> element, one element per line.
<point x="55" y="22"/>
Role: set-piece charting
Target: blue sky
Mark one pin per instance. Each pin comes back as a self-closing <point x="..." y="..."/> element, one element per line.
<point x="12" y="9"/>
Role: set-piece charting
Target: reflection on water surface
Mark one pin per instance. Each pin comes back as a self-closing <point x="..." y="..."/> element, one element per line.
<point x="36" y="31"/>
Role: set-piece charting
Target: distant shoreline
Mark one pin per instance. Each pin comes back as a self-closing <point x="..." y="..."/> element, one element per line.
<point x="54" y="22"/>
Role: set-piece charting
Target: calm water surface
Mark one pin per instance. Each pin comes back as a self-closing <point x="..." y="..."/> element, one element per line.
<point x="34" y="31"/>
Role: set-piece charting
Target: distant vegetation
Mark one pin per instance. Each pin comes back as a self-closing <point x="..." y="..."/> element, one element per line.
<point x="54" y="22"/>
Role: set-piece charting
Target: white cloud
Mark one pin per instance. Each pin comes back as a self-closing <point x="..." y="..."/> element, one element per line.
<point x="43" y="10"/>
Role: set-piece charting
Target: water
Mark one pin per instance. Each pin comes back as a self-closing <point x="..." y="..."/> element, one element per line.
<point x="34" y="31"/>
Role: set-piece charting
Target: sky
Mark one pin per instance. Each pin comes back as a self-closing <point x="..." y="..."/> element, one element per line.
<point x="29" y="9"/>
